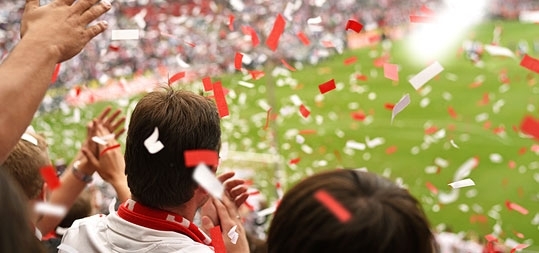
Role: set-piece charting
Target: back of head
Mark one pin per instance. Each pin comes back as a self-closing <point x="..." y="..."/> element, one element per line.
<point x="16" y="234"/>
<point x="25" y="161"/>
<point x="384" y="217"/>
<point x="185" y="121"/>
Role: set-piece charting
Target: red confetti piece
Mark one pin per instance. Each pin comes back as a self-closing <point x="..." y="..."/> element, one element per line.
<point x="327" y="44"/>
<point x="491" y="238"/>
<point x="333" y="205"/>
<point x="421" y="19"/>
<point x="389" y="106"/>
<point x="220" y="99"/>
<point x="109" y="148"/>
<point x="518" y="234"/>
<point x="288" y="66"/>
<point x="354" y="25"/>
<point x="327" y="86"/>
<point x="194" y="157"/>
<point x="361" y="77"/>
<point x="206" y="81"/>
<point x="295" y="160"/>
<point x="350" y="60"/>
<point x="514" y="206"/>
<point x="238" y="60"/>
<point x="512" y="164"/>
<point x="77" y="90"/>
<point x="55" y="73"/>
<point x="359" y="116"/>
<point x="303" y="38"/>
<point x="114" y="48"/>
<point x="251" y="32"/>
<point x="530" y="63"/>
<point x="476" y="84"/>
<point x="485" y="100"/>
<point x="267" y="119"/>
<point x="304" y="111"/>
<point x="431" y="130"/>
<point x="273" y="38"/>
<point x="217" y="240"/>
<point x="176" y="77"/>
<point x="49" y="176"/>
<point x="256" y="74"/>
<point x="391" y="150"/>
<point x="452" y="112"/>
<point x="478" y="218"/>
<point x="431" y="188"/>
<point x="519" y="247"/>
<point x="391" y="71"/>
<point x="380" y="61"/>
<point x="426" y="10"/>
<point x="231" y="22"/>
<point x="307" y="131"/>
<point x="530" y="126"/>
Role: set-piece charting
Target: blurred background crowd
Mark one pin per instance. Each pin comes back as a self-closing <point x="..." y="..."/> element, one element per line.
<point x="197" y="35"/>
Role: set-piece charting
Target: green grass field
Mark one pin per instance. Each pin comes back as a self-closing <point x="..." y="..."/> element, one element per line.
<point x="480" y="208"/>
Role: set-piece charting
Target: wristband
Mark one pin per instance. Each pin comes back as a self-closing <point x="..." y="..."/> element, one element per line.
<point x="81" y="175"/>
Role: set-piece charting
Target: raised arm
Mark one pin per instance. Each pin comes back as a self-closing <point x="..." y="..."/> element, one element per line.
<point x="50" y="34"/>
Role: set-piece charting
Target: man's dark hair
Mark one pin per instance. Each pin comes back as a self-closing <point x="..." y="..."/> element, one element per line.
<point x="186" y="121"/>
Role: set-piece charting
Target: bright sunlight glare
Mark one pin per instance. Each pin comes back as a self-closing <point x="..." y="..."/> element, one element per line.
<point x="436" y="40"/>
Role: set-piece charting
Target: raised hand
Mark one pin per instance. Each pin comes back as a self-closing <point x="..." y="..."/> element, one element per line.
<point x="63" y="26"/>
<point x="229" y="219"/>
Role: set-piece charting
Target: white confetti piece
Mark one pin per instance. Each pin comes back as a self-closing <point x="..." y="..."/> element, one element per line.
<point x="499" y="51"/>
<point x="403" y="103"/>
<point x="50" y="209"/>
<point x="126" y="34"/>
<point x="462" y="183"/>
<point x="152" y="144"/>
<point x="374" y="142"/>
<point x="296" y="100"/>
<point x="453" y="143"/>
<point x="233" y="235"/>
<point x="29" y="138"/>
<point x="496" y="158"/>
<point x="355" y="145"/>
<point x="207" y="180"/>
<point x="265" y="212"/>
<point x="246" y="84"/>
<point x="314" y="21"/>
<point x="441" y="162"/>
<point x="466" y="168"/>
<point x="102" y="140"/>
<point x="426" y="74"/>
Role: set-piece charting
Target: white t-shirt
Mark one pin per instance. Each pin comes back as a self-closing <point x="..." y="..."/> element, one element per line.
<point x="111" y="233"/>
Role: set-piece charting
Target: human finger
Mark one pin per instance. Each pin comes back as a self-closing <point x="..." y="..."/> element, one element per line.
<point x="90" y="157"/>
<point x="119" y="133"/>
<point x="95" y="11"/>
<point x="104" y="114"/>
<point x="241" y="199"/>
<point x="108" y="121"/>
<point x="96" y="29"/>
<point x="225" y="176"/>
<point x="82" y="5"/>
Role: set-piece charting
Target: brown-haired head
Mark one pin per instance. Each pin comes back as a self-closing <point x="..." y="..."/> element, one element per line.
<point x="186" y="121"/>
<point x="24" y="164"/>
<point x="384" y="217"/>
